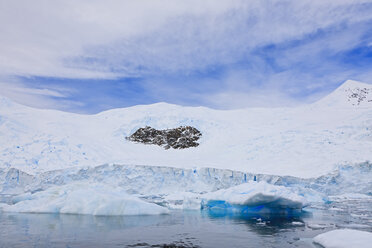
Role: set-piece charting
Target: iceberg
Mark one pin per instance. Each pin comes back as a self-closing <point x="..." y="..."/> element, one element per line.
<point x="82" y="198"/>
<point x="344" y="238"/>
<point x="255" y="197"/>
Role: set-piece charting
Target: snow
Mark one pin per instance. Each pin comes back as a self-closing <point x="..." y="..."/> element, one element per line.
<point x="306" y="141"/>
<point x="344" y="238"/>
<point x="80" y="198"/>
<point x="258" y="193"/>
<point x="255" y="160"/>
<point x="349" y="94"/>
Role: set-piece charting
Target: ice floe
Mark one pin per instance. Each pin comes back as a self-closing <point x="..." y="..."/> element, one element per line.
<point x="344" y="238"/>
<point x="80" y="198"/>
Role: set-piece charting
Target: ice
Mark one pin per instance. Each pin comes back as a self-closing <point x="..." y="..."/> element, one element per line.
<point x="80" y="198"/>
<point x="344" y="238"/>
<point x="258" y="193"/>
<point x="317" y="226"/>
<point x="13" y="181"/>
<point x="346" y="179"/>
<point x="139" y="179"/>
<point x="350" y="196"/>
<point x="184" y="188"/>
<point x="183" y="200"/>
<point x="135" y="179"/>
<point x="297" y="223"/>
<point x="353" y="225"/>
<point x="255" y="197"/>
<point x="175" y="188"/>
<point x="305" y="141"/>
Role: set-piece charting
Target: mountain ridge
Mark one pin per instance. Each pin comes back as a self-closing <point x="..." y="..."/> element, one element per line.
<point x="350" y="94"/>
<point x="306" y="141"/>
<point x="326" y="100"/>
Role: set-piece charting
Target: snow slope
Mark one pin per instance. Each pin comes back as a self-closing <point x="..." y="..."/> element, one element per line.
<point x="306" y="141"/>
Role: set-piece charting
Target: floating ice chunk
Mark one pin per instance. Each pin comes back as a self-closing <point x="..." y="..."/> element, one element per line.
<point x="333" y="208"/>
<point x="255" y="197"/>
<point x="2" y="205"/>
<point x="344" y="238"/>
<point x="79" y="198"/>
<point x="350" y="196"/>
<point x="353" y="225"/>
<point x="317" y="226"/>
<point x="297" y="223"/>
<point x="183" y="200"/>
<point x="258" y="193"/>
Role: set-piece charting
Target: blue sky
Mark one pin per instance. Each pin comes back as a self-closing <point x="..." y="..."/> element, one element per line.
<point x="88" y="56"/>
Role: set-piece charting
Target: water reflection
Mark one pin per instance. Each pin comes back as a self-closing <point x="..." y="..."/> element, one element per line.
<point x="55" y="221"/>
<point x="177" y="229"/>
<point x="260" y="223"/>
<point x="180" y="228"/>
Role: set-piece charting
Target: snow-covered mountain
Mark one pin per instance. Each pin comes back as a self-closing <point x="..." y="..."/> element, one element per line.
<point x="305" y="141"/>
<point x="350" y="93"/>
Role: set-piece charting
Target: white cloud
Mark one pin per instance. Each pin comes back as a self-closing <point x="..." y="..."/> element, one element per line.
<point x="106" y="39"/>
<point x="115" y="38"/>
<point x="38" y="97"/>
<point x="33" y="91"/>
<point x="236" y="100"/>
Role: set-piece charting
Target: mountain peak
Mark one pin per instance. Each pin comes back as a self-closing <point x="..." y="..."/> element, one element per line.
<point x="350" y="93"/>
<point x="352" y="84"/>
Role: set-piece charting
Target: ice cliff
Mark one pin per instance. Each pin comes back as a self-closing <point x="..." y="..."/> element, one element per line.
<point x="191" y="188"/>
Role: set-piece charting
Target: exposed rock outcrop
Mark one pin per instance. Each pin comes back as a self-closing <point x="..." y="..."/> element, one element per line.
<point x="178" y="138"/>
<point x="358" y="95"/>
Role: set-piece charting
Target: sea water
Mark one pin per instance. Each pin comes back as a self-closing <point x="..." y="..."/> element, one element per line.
<point x="201" y="228"/>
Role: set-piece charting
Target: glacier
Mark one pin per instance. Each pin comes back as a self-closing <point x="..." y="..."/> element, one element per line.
<point x="199" y="188"/>
<point x="305" y="141"/>
<point x="140" y="179"/>
<point x="282" y="158"/>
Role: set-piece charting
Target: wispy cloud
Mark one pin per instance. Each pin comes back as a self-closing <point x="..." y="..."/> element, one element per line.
<point x="57" y="98"/>
<point x="223" y="54"/>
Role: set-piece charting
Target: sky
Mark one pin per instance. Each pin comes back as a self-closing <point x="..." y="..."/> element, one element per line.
<point x="86" y="56"/>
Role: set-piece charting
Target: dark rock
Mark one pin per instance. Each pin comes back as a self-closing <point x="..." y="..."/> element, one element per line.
<point x="359" y="95"/>
<point x="177" y="138"/>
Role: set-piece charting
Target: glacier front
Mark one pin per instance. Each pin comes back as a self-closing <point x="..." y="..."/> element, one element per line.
<point x="175" y="188"/>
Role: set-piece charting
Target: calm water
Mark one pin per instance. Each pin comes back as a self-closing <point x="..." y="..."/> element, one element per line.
<point x="181" y="228"/>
